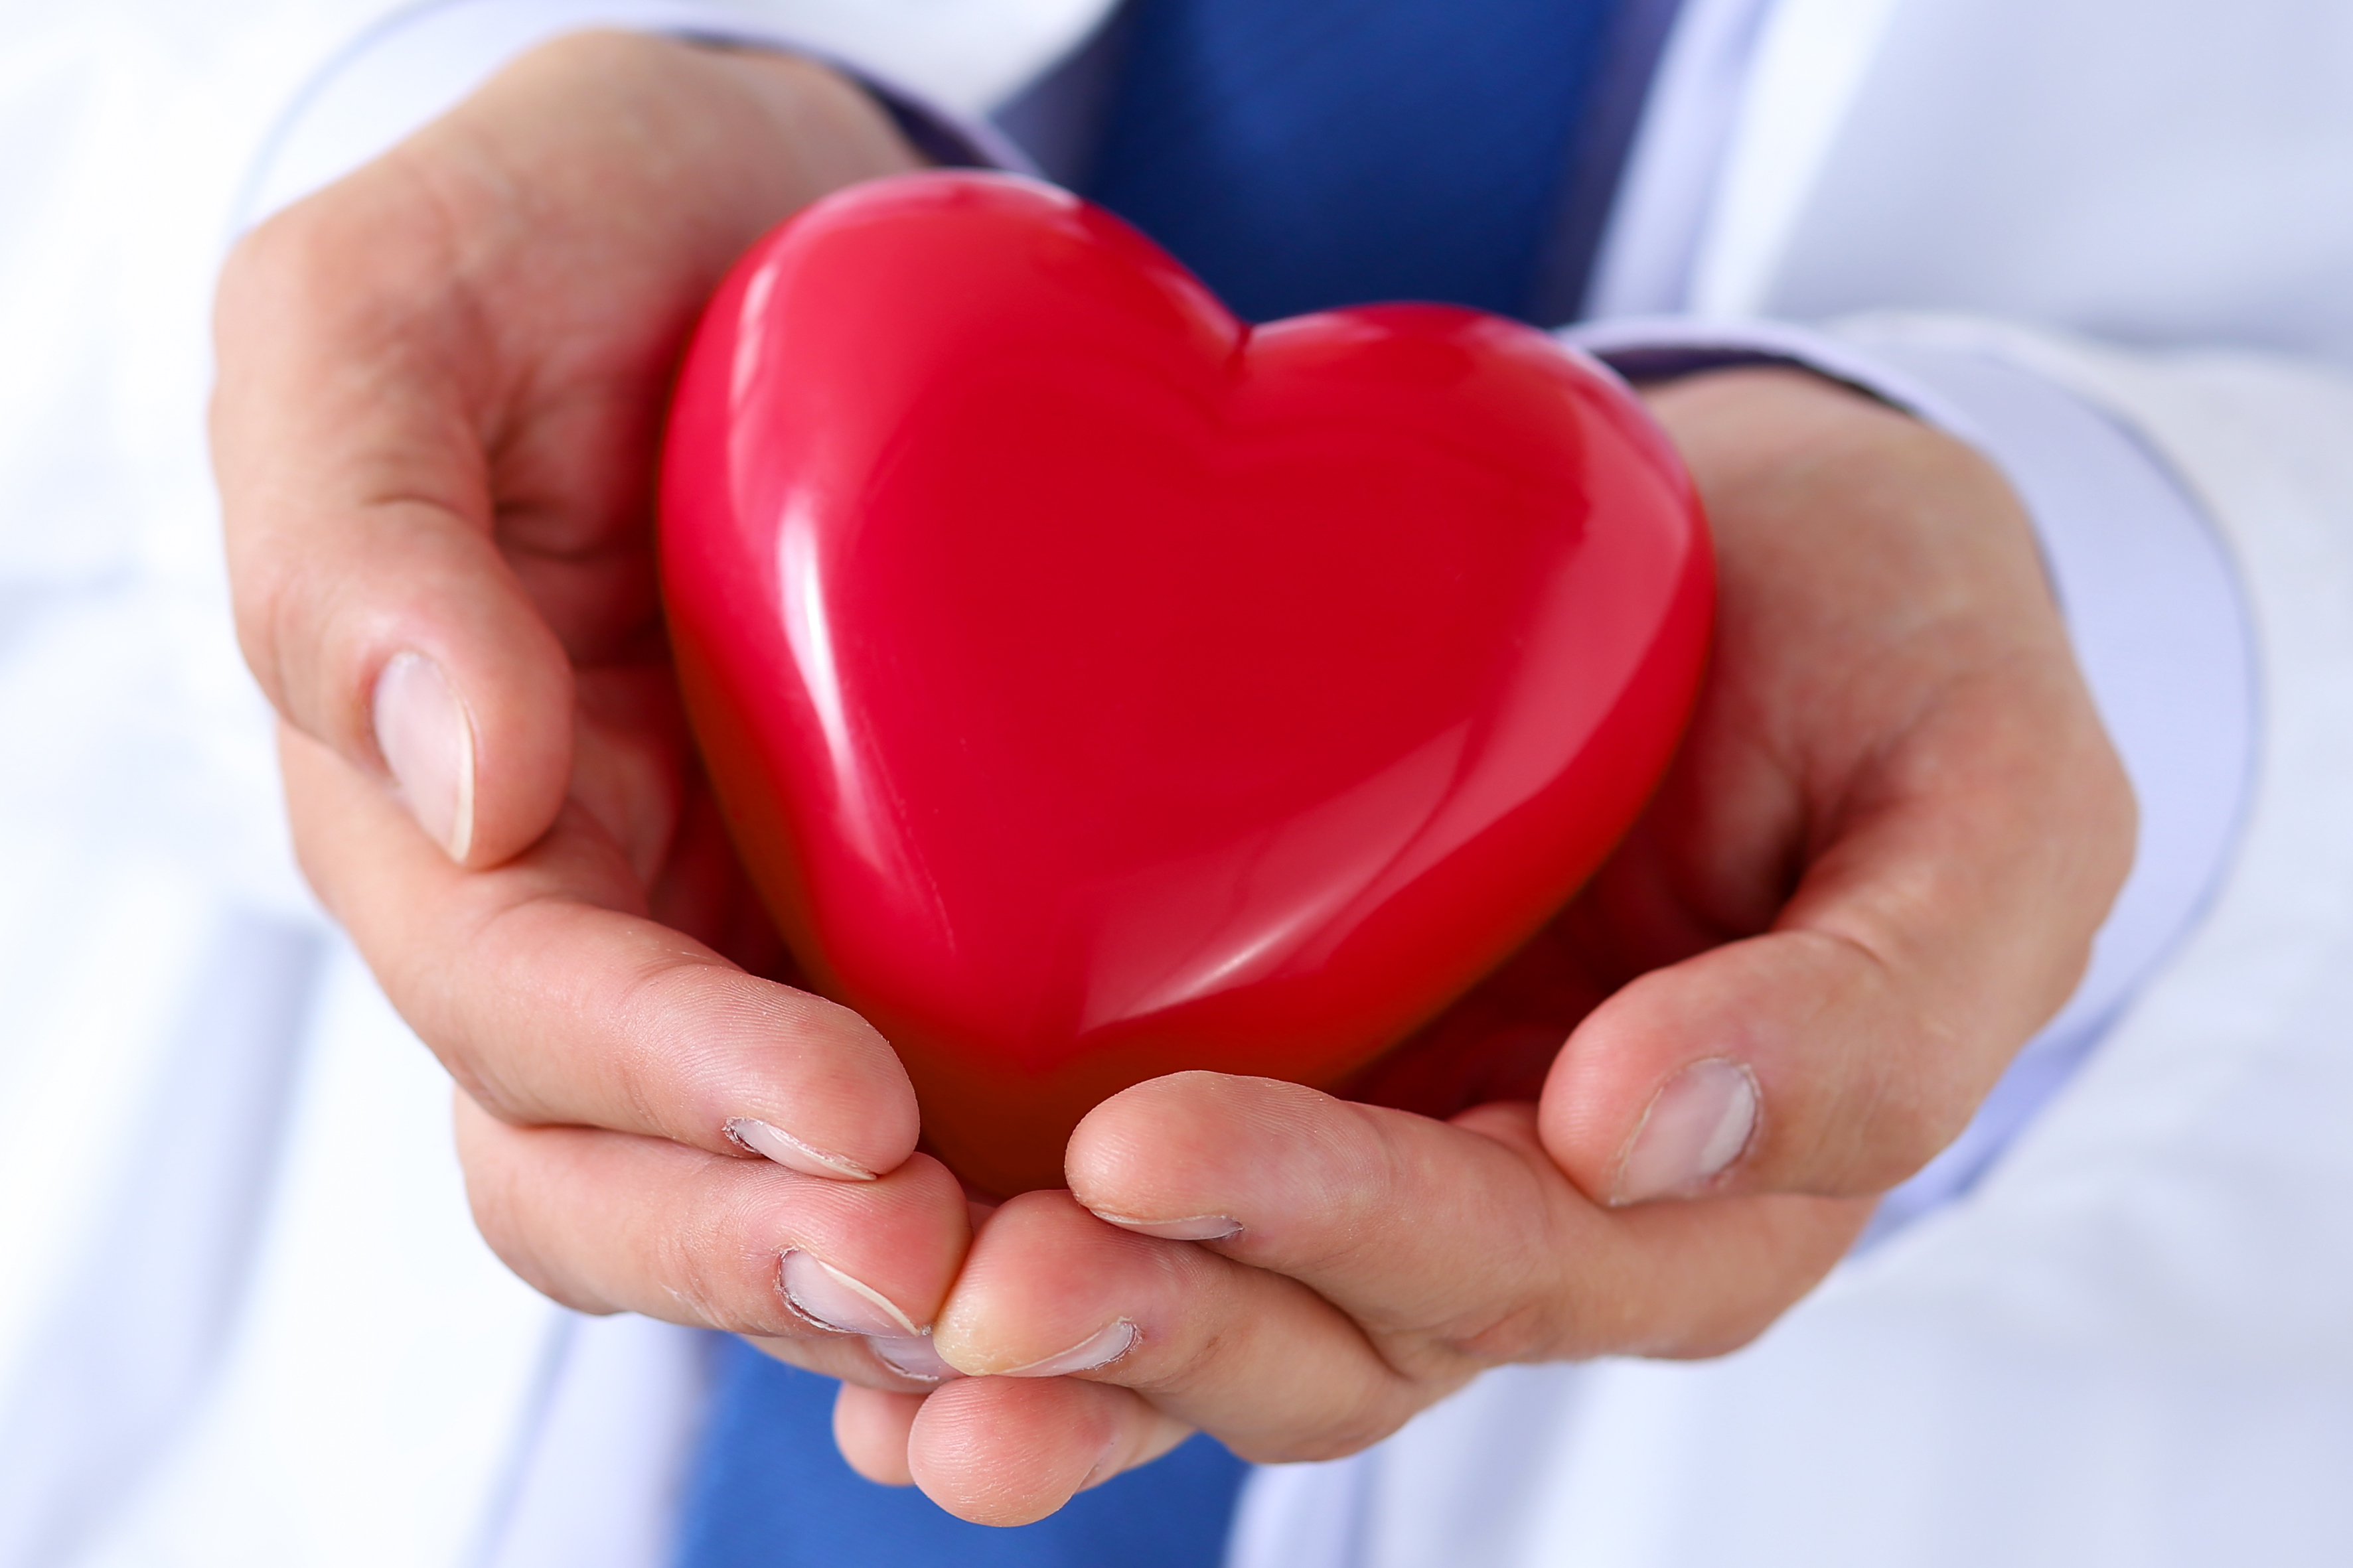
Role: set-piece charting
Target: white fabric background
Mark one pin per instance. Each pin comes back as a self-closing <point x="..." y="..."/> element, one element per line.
<point x="243" y="1320"/>
<point x="2128" y="1347"/>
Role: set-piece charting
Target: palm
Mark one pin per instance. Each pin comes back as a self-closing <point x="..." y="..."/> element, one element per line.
<point x="1682" y="881"/>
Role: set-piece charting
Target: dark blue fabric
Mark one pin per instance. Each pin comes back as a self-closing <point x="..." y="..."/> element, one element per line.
<point x="767" y="1491"/>
<point x="1304" y="154"/>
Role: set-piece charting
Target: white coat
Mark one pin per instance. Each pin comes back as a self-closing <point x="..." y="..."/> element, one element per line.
<point x="244" y="1318"/>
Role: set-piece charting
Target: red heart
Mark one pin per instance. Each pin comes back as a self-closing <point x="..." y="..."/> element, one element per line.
<point x="1097" y="687"/>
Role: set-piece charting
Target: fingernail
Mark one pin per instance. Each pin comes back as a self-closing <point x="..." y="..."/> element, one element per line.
<point x="1196" y="1227"/>
<point x="1698" y="1124"/>
<point x="832" y="1300"/>
<point x="1101" y="1348"/>
<point x="912" y="1357"/>
<point x="1104" y="1467"/>
<point x="427" y="742"/>
<point x="792" y="1154"/>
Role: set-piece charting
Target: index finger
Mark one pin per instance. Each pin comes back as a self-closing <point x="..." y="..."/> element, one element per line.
<point x="1453" y="1244"/>
<point x="552" y="997"/>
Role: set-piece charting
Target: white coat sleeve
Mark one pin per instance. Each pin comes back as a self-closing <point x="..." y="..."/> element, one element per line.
<point x="414" y="65"/>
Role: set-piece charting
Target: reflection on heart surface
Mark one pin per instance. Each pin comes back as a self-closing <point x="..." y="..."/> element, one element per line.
<point x="1097" y="687"/>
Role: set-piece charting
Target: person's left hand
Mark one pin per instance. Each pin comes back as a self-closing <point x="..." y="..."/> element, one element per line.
<point x="1875" y="867"/>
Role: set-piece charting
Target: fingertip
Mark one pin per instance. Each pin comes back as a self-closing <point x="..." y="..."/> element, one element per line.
<point x="425" y="668"/>
<point x="1025" y="1295"/>
<point x="1658" y="1092"/>
<point x="1147" y="1153"/>
<point x="870" y="1427"/>
<point x="1010" y="1451"/>
<point x="1786" y="1063"/>
<point x="878" y="1259"/>
<point x="822" y="1092"/>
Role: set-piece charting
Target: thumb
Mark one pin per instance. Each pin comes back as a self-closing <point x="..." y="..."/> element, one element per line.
<point x="373" y="602"/>
<point x="1840" y="1051"/>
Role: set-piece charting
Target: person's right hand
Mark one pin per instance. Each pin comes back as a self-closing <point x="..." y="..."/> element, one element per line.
<point x="442" y="382"/>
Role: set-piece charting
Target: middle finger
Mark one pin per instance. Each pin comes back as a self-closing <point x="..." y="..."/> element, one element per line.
<point x="844" y="1278"/>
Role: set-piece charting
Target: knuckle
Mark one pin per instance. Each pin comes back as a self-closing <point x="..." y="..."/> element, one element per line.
<point x="1905" y="1119"/>
<point x="710" y="1270"/>
<point x="509" y="1222"/>
<point x="1911" y="1076"/>
<point x="281" y="278"/>
<point x="1523" y="1330"/>
<point x="654" y="1058"/>
<point x="1336" y="1443"/>
<point x="1359" y="1170"/>
<point x="1520" y="1320"/>
<point x="1901" y="1139"/>
<point x="307" y="626"/>
<point x="489" y="1197"/>
<point x="595" y="53"/>
<point x="484" y="1088"/>
<point x="292" y="612"/>
<point x="258" y="595"/>
<point x="256" y="265"/>
<point x="680" y="1265"/>
<point x="1374" y="1417"/>
<point x="458" y="992"/>
<point x="1718" y="1340"/>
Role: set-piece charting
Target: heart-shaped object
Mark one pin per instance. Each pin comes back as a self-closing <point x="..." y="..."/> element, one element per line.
<point x="1097" y="687"/>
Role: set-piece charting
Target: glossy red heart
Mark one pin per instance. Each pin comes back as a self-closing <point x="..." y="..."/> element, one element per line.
<point x="1097" y="687"/>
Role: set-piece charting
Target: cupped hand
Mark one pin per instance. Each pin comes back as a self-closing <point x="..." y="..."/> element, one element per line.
<point x="441" y="388"/>
<point x="1875" y="867"/>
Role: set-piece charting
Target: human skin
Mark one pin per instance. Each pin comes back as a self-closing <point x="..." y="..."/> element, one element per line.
<point x="1875" y="867"/>
<point x="1872" y="872"/>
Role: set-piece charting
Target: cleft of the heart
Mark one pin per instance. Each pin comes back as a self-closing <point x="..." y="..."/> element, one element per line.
<point x="1097" y="687"/>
